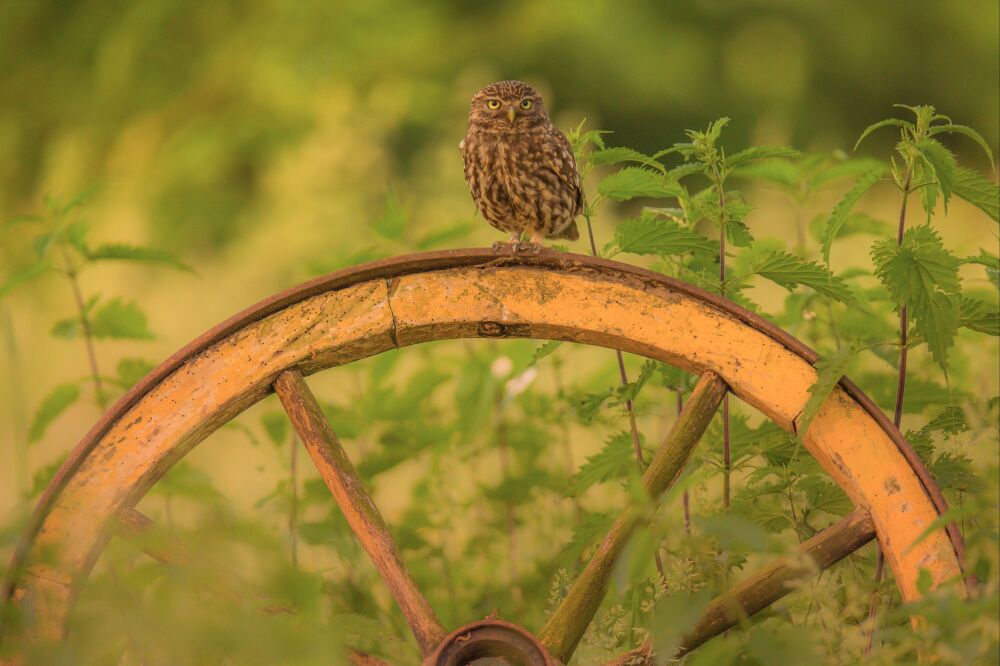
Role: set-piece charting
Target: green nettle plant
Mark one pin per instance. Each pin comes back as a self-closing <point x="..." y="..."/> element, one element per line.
<point x="475" y="441"/>
<point x="61" y="248"/>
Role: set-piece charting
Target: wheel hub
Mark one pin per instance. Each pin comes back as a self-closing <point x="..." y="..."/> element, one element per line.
<point x="490" y="643"/>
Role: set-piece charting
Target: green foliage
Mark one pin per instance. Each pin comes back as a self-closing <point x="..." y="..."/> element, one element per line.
<point x="922" y="276"/>
<point x="840" y="212"/>
<point x="54" y="404"/>
<point x="633" y="182"/>
<point x="829" y="372"/>
<point x="652" y="234"/>
<point x="790" y="271"/>
<point x="479" y="448"/>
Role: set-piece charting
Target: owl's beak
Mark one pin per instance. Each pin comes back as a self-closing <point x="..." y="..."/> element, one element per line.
<point x="511" y="114"/>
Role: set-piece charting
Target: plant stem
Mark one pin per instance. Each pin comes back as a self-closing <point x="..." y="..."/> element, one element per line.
<point x="898" y="416"/>
<point x="726" y="462"/>
<point x="293" y="510"/>
<point x="633" y="427"/>
<point x="687" y="497"/>
<point x="88" y="336"/>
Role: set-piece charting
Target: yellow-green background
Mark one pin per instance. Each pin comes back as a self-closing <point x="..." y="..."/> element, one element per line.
<point x="258" y="141"/>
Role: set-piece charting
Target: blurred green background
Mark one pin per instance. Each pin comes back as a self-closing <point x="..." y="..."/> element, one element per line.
<point x="261" y="141"/>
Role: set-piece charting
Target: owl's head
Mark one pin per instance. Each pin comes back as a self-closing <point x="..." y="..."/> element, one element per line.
<point x="507" y="106"/>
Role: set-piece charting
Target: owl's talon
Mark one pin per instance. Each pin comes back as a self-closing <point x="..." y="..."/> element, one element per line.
<point x="528" y="247"/>
<point x="498" y="246"/>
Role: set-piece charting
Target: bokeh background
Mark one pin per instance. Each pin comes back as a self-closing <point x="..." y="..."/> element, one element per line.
<point x="261" y="141"/>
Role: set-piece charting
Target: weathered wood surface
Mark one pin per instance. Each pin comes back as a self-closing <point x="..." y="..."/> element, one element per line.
<point x="357" y="505"/>
<point x="570" y="620"/>
<point x="464" y="293"/>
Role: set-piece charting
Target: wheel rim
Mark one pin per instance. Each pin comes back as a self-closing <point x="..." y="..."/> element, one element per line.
<point x="406" y="300"/>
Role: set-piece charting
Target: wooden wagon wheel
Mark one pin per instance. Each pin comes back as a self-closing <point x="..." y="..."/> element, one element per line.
<point x="403" y="301"/>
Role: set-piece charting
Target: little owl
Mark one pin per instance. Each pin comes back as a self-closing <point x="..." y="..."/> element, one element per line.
<point x="519" y="166"/>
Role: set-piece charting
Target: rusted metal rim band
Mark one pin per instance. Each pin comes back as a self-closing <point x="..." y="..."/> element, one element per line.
<point x="433" y="261"/>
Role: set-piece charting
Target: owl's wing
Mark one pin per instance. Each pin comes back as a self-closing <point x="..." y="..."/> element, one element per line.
<point x="559" y="159"/>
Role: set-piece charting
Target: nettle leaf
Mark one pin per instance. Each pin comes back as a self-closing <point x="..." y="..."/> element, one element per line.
<point x="136" y="253"/>
<point x="761" y="153"/>
<point x="826" y="496"/>
<point x="922" y="275"/>
<point x="951" y="421"/>
<point x="621" y="154"/>
<point x="888" y="122"/>
<point x="54" y="404"/>
<point x="24" y="276"/>
<point x="543" y="351"/>
<point x="632" y="182"/>
<point x="951" y="128"/>
<point x="839" y="214"/>
<point x="616" y="460"/>
<point x="652" y="234"/>
<point x="979" y="315"/>
<point x="131" y="370"/>
<point x="738" y="234"/>
<point x="630" y="391"/>
<point x="992" y="264"/>
<point x="942" y="164"/>
<point x="829" y="372"/>
<point x="854" y="224"/>
<point x="978" y="191"/>
<point x="954" y="471"/>
<point x="588" y="530"/>
<point x="588" y="406"/>
<point x="790" y="271"/>
<point x="120" y="319"/>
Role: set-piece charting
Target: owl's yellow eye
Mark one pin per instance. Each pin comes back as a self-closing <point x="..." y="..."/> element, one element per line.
<point x="493" y="104"/>
<point x="525" y="103"/>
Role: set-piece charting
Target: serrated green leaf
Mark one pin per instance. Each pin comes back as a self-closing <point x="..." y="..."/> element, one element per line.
<point x="854" y="224"/>
<point x="790" y="271"/>
<point x="888" y="122"/>
<point x="839" y="214"/>
<point x="952" y="128"/>
<point x="120" y="319"/>
<point x="543" y="350"/>
<point x="136" y="253"/>
<point x="979" y="315"/>
<point x="942" y="164"/>
<point x="614" y="461"/>
<point x="650" y="234"/>
<point x="829" y="372"/>
<point x="619" y="154"/>
<point x="978" y="191"/>
<point x="984" y="258"/>
<point x="922" y="275"/>
<point x="588" y="406"/>
<point x="54" y="404"/>
<point x="951" y="421"/>
<point x="761" y="153"/>
<point x="131" y="370"/>
<point x="825" y="496"/>
<point x="738" y="234"/>
<point x="632" y="182"/>
<point x="24" y="276"/>
<point x="586" y="532"/>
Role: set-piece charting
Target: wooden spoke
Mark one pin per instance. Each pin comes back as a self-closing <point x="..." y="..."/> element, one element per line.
<point x="566" y="626"/>
<point x="768" y="585"/>
<point x="362" y="515"/>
